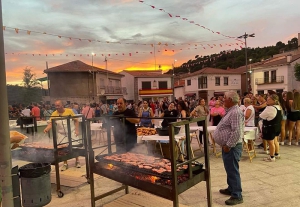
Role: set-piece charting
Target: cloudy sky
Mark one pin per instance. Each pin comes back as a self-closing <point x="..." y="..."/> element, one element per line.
<point x="123" y="30"/>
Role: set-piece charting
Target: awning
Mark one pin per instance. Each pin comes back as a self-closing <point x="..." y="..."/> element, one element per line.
<point x="190" y="94"/>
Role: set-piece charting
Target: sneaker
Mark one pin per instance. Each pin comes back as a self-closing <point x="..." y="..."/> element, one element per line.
<point x="269" y="159"/>
<point x="289" y="143"/>
<point x="277" y="156"/>
<point x="64" y="167"/>
<point x="225" y="191"/>
<point x="234" y="201"/>
<point x="267" y="152"/>
<point x="296" y="143"/>
<point x="77" y="164"/>
<point x="281" y="143"/>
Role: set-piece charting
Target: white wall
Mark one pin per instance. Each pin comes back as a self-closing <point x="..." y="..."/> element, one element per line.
<point x="179" y="92"/>
<point x="234" y="83"/>
<point x="128" y="82"/>
<point x="280" y="71"/>
<point x="194" y="84"/>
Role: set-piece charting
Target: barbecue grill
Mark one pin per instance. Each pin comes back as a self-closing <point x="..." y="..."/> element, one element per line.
<point x="64" y="148"/>
<point x="167" y="183"/>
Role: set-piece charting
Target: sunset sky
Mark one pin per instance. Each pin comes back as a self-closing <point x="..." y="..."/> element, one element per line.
<point x="113" y="27"/>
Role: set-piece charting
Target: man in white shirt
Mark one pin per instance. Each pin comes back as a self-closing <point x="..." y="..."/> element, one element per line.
<point x="25" y="111"/>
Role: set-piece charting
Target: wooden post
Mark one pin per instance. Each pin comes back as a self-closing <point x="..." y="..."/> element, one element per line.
<point x="5" y="151"/>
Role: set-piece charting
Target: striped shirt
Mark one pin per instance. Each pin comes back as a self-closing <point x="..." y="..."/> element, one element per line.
<point x="230" y="130"/>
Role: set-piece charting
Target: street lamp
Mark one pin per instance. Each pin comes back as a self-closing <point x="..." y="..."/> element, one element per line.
<point x="250" y="72"/>
<point x="93" y="75"/>
<point x="105" y="60"/>
<point x="245" y="36"/>
<point x="173" y="82"/>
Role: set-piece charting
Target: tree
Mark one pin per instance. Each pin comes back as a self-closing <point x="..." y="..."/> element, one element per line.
<point x="29" y="79"/>
<point x="297" y="71"/>
<point x="32" y="91"/>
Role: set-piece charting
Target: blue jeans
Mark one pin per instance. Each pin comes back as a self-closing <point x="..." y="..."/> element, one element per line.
<point x="231" y="164"/>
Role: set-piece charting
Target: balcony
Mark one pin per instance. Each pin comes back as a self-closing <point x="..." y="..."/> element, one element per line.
<point x="149" y="92"/>
<point x="271" y="80"/>
<point x="104" y="90"/>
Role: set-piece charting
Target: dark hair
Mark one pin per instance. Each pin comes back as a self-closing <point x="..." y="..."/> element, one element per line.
<point x="123" y="100"/>
<point x="270" y="92"/>
<point x="246" y="93"/>
<point x="289" y="96"/>
<point x="281" y="101"/>
<point x="184" y="107"/>
<point x="146" y="101"/>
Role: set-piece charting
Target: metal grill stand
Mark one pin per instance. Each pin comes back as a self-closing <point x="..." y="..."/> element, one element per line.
<point x="168" y="192"/>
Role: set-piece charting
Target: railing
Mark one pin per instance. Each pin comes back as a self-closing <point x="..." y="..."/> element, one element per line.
<point x="111" y="90"/>
<point x="155" y="91"/>
<point x="269" y="80"/>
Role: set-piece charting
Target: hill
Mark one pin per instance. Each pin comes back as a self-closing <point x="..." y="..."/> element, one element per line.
<point x="235" y="58"/>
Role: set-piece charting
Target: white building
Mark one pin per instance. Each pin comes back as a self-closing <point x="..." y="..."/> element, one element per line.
<point x="275" y="74"/>
<point x="147" y="85"/>
<point x="209" y="82"/>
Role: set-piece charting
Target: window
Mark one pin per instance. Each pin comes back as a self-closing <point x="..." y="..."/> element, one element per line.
<point x="146" y="85"/>
<point x="202" y="82"/>
<point x="273" y="76"/>
<point x="217" y="81"/>
<point x="260" y="92"/>
<point x="188" y="82"/>
<point x="279" y="90"/>
<point x="266" y="77"/>
<point x="118" y="83"/>
<point x="225" y="81"/>
<point x="102" y="85"/>
<point x="162" y="85"/>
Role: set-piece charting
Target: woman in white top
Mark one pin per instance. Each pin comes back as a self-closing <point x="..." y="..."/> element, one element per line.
<point x="272" y="116"/>
<point x="249" y="113"/>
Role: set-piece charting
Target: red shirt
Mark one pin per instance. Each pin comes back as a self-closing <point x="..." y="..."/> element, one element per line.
<point x="152" y="105"/>
<point x="35" y="111"/>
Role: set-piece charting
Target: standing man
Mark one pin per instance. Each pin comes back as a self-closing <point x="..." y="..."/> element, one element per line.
<point x="125" y="133"/>
<point x="229" y="134"/>
<point x="88" y="112"/>
<point x="35" y="111"/>
<point x="61" y="111"/>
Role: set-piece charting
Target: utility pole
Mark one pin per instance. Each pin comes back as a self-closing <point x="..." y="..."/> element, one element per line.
<point x="245" y="36"/>
<point x="93" y="76"/>
<point x="5" y="151"/>
<point x="106" y="77"/>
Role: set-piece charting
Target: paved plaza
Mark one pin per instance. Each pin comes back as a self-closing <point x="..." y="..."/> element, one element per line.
<point x="264" y="183"/>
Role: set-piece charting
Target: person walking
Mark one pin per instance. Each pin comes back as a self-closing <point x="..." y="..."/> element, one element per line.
<point x="200" y="111"/>
<point x="229" y="134"/>
<point x="61" y="112"/>
<point x="272" y="116"/>
<point x="217" y="112"/>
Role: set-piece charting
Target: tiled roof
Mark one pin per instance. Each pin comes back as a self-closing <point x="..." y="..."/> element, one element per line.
<point x="210" y="71"/>
<point x="277" y="61"/>
<point x="146" y="73"/>
<point x="77" y="66"/>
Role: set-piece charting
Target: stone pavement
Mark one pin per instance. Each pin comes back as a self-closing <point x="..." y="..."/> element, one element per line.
<point x="264" y="184"/>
